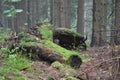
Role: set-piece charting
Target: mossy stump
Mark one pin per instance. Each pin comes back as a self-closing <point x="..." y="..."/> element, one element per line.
<point x="69" y="39"/>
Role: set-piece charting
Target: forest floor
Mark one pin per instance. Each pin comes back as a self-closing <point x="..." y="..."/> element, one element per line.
<point x="100" y="67"/>
<point x="97" y="69"/>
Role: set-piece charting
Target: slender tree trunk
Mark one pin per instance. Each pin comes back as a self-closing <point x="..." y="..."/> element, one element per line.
<point x="103" y="26"/>
<point x="61" y="13"/>
<point x="112" y="41"/>
<point x="56" y="15"/>
<point x="98" y="24"/>
<point x="45" y="10"/>
<point x="51" y="11"/>
<point x="117" y="21"/>
<point x="28" y="14"/>
<point x="64" y="13"/>
<point x="1" y="24"/>
<point x="21" y="18"/>
<point x="80" y="18"/>
<point x="116" y="63"/>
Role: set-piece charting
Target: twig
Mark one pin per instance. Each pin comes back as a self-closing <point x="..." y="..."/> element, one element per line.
<point x="102" y="63"/>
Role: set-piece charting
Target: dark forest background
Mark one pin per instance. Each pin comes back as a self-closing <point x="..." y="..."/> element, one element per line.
<point x="99" y="20"/>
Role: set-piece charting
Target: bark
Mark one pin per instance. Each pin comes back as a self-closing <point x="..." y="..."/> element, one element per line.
<point x="28" y="14"/>
<point x="116" y="63"/>
<point x="61" y="13"/>
<point x="64" y="13"/>
<point x="20" y="18"/>
<point x="117" y="21"/>
<point x="1" y="25"/>
<point x="80" y="17"/>
<point x="56" y="15"/>
<point x="99" y="23"/>
<point x="51" y="11"/>
<point x="103" y="26"/>
<point x="33" y="11"/>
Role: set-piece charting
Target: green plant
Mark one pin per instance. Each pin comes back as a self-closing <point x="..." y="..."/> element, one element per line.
<point x="5" y="70"/>
<point x="10" y="10"/>
<point x="7" y="52"/>
<point x="2" y="78"/>
<point x="46" y="32"/>
<point x="3" y="34"/>
<point x="13" y="65"/>
<point x="17" y="62"/>
<point x="51" y="77"/>
<point x="70" y="77"/>
<point x="19" y="78"/>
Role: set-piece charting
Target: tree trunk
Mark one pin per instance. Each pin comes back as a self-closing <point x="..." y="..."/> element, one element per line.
<point x="56" y="13"/>
<point x="116" y="63"/>
<point x="51" y="11"/>
<point x="28" y="14"/>
<point x="61" y="13"/>
<point x="1" y="24"/>
<point x="80" y="17"/>
<point x="103" y="38"/>
<point x="99" y="22"/>
<point x="20" y="18"/>
<point x="117" y="21"/>
<point x="64" y="14"/>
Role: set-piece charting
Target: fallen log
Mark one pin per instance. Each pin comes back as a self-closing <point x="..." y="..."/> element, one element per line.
<point x="50" y="54"/>
<point x="43" y="49"/>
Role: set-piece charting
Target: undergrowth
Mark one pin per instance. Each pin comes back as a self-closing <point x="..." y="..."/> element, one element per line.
<point x="13" y="65"/>
<point x="3" y="34"/>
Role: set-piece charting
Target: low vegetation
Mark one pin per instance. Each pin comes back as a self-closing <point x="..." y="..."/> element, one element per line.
<point x="19" y="50"/>
<point x="13" y="66"/>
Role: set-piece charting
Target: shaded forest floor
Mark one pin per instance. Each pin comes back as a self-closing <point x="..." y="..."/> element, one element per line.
<point x="100" y="67"/>
<point x="97" y="69"/>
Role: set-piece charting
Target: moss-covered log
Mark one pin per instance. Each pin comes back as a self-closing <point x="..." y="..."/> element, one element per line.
<point x="53" y="52"/>
<point x="44" y="48"/>
<point x="69" y="39"/>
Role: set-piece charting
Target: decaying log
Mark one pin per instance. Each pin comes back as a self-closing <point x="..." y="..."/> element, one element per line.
<point x="44" y="48"/>
<point x="50" y="55"/>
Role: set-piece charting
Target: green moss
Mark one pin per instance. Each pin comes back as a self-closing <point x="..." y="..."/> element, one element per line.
<point x="69" y="31"/>
<point x="26" y="37"/>
<point x="64" y="68"/>
<point x="46" y="32"/>
<point x="13" y="65"/>
<point x="3" y="34"/>
<point x="23" y="43"/>
<point x="19" y="78"/>
<point x="51" y="77"/>
<point x="17" y="62"/>
<point x="57" y="65"/>
<point x="59" y="50"/>
<point x="70" y="78"/>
